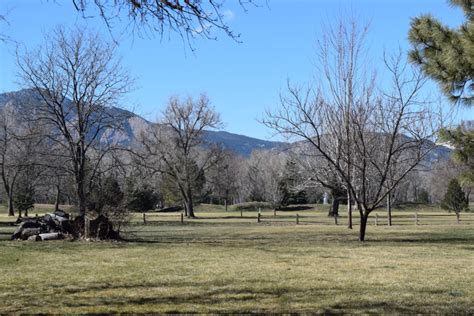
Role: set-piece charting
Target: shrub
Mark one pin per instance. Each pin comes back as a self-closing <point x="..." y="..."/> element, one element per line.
<point x="108" y="194"/>
<point x="251" y="206"/>
<point x="142" y="199"/>
<point x="423" y="197"/>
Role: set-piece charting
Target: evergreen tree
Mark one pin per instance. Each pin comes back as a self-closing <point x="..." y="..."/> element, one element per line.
<point x="24" y="196"/>
<point x="104" y="194"/>
<point x="454" y="199"/>
<point x="112" y="192"/>
<point x="446" y="54"/>
<point x="142" y="199"/>
<point x="463" y="154"/>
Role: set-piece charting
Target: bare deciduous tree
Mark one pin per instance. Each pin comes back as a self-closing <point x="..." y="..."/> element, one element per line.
<point x="320" y="174"/>
<point x="221" y="178"/>
<point x="77" y="78"/>
<point x="264" y="174"/>
<point x="11" y="162"/>
<point x="174" y="146"/>
<point x="343" y="66"/>
<point x="19" y="143"/>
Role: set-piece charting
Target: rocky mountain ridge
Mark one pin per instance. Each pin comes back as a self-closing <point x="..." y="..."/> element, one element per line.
<point x="135" y="124"/>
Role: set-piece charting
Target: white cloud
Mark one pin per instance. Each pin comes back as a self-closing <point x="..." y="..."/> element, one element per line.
<point x="228" y="15"/>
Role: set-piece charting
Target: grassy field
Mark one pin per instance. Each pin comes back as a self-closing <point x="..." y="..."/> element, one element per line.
<point x="225" y="263"/>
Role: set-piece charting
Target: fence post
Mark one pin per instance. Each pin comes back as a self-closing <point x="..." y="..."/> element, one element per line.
<point x="144" y="219"/>
<point x="87" y="225"/>
<point x="274" y="212"/>
<point x="258" y="217"/>
<point x="182" y="218"/>
<point x="416" y="218"/>
<point x="297" y="219"/>
<point x="458" y="218"/>
<point x="376" y="219"/>
<point x="335" y="218"/>
<point x="241" y="213"/>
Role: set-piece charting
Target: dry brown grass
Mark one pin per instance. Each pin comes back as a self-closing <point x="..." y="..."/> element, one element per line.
<point x="222" y="263"/>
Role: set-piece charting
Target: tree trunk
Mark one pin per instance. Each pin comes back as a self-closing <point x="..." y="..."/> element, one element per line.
<point x="334" y="208"/>
<point x="389" y="209"/>
<point x="11" y="211"/>
<point x="58" y="192"/>
<point x="81" y="199"/>
<point x="190" y="205"/>
<point x="363" y="225"/>
<point x="349" y="210"/>
<point x="225" y="203"/>
<point x="80" y="176"/>
<point x="190" y="210"/>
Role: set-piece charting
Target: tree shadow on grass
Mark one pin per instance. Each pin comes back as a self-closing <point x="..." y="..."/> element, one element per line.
<point x="372" y="307"/>
<point x="205" y="298"/>
<point x="424" y="238"/>
<point x="295" y="208"/>
<point x="199" y="296"/>
<point x="245" y="299"/>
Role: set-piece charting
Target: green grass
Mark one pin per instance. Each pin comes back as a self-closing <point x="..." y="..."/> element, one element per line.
<point x="224" y="263"/>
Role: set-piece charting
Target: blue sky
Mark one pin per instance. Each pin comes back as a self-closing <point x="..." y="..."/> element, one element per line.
<point x="241" y="79"/>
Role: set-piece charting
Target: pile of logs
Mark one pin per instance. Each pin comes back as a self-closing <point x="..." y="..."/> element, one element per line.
<point x="51" y="226"/>
<point x="60" y="225"/>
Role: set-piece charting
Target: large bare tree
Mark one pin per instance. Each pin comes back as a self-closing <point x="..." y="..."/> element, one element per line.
<point x="342" y="63"/>
<point x="174" y="146"/>
<point x="77" y="78"/>
<point x="365" y="136"/>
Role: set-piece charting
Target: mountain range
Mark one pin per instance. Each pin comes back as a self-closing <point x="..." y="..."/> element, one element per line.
<point x="135" y="124"/>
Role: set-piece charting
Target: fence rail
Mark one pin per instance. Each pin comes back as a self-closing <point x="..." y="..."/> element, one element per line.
<point x="312" y="217"/>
